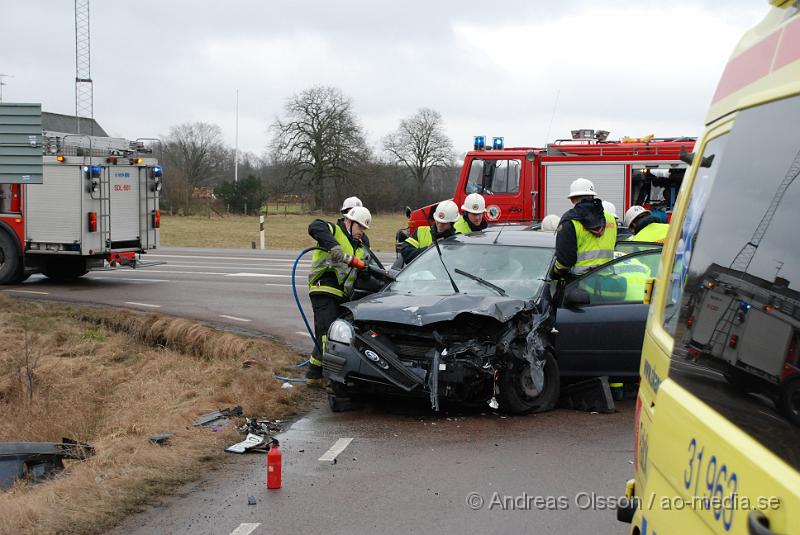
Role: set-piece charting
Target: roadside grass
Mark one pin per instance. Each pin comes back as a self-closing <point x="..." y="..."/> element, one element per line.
<point x="282" y="231"/>
<point x="112" y="379"/>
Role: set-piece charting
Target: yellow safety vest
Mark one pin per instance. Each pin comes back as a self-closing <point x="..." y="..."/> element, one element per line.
<point x="636" y="275"/>
<point x="594" y="250"/>
<point x="654" y="233"/>
<point x="424" y="238"/>
<point x="462" y="226"/>
<point x="321" y="263"/>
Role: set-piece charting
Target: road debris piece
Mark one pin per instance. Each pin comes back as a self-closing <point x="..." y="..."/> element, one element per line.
<point x="161" y="439"/>
<point x="34" y="461"/>
<point x="217" y="415"/>
<point x="287" y="386"/>
<point x="338" y="447"/>
<point x="592" y="395"/>
<point x="250" y="443"/>
<point x="251" y="500"/>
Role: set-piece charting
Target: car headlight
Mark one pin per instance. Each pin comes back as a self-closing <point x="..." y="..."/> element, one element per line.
<point x="341" y="331"/>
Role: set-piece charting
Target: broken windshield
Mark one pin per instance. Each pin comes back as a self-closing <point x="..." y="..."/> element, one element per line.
<point x="519" y="271"/>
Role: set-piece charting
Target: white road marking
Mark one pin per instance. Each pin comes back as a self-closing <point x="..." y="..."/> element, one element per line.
<point x="251" y="258"/>
<point x="256" y="275"/>
<point x="27" y="292"/>
<point x="142" y="304"/>
<point x="303" y="333"/>
<point x="129" y="279"/>
<point x="260" y="267"/>
<point x="276" y="284"/>
<point x="234" y="318"/>
<point x="184" y="272"/>
<point x="330" y="455"/>
<point x="245" y="529"/>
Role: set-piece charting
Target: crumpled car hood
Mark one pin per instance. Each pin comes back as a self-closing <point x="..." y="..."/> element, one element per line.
<point x="422" y="310"/>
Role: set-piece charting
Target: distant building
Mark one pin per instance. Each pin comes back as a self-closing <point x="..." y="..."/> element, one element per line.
<point x="58" y="122"/>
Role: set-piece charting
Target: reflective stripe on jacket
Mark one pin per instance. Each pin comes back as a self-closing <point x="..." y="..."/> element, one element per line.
<point x="462" y="226"/>
<point x="321" y="263"/>
<point x="424" y="238"/>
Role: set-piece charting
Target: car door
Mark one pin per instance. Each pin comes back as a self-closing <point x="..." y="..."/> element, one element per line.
<point x="601" y="317"/>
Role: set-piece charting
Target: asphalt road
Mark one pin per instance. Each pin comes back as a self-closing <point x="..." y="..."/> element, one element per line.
<point x="406" y="470"/>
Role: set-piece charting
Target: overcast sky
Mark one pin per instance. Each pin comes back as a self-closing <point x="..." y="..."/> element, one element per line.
<point x="493" y="68"/>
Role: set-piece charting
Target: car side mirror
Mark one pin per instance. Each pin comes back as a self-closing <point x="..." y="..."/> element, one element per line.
<point x="408" y="212"/>
<point x="576" y="297"/>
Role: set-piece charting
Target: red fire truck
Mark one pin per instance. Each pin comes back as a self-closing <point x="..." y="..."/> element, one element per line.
<point x="70" y="203"/>
<point x="527" y="183"/>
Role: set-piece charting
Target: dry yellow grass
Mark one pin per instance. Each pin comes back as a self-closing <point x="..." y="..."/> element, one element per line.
<point x="282" y="231"/>
<point x="113" y="379"/>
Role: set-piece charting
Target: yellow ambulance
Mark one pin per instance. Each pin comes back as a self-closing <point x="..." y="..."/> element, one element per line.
<point x="718" y="413"/>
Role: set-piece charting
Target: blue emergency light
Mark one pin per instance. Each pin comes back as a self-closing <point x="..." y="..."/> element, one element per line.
<point x="497" y="143"/>
<point x="92" y="171"/>
<point x="157" y="172"/>
<point x="480" y="142"/>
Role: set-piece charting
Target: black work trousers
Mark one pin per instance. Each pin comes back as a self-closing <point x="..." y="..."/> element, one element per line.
<point x="326" y="309"/>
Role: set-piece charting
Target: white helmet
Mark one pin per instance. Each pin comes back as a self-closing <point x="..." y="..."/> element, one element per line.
<point x="550" y="223"/>
<point x="446" y="212"/>
<point x="350" y="202"/>
<point x="581" y="186"/>
<point x="360" y="215"/>
<point x="632" y="213"/>
<point x="474" y="204"/>
<point x="610" y="208"/>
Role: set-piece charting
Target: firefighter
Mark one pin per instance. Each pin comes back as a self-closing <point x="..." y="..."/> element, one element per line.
<point x="472" y="211"/>
<point x="645" y="226"/>
<point x="445" y="215"/>
<point x="333" y="275"/>
<point x="348" y="204"/>
<point x="587" y="233"/>
<point x="550" y="223"/>
<point x="622" y="230"/>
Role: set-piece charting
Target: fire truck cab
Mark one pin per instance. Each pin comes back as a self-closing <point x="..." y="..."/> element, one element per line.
<point x="94" y="205"/>
<point x="527" y="183"/>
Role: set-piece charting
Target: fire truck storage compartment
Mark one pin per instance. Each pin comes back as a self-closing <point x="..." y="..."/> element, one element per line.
<point x="56" y="210"/>
<point x="125" y="203"/>
<point x="765" y="341"/>
<point x="609" y="182"/>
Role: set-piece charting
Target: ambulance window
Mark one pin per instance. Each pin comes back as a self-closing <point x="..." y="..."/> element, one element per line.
<point x="734" y="296"/>
<point x="491" y="177"/>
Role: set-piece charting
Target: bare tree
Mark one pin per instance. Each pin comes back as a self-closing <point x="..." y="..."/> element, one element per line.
<point x="421" y="145"/>
<point x="319" y="142"/>
<point x="196" y="153"/>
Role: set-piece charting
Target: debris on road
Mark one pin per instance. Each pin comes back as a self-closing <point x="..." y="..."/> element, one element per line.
<point x="250" y="443"/>
<point x="287" y="386"/>
<point x="217" y="415"/>
<point x="161" y="439"/>
<point x="34" y="461"/>
<point x="251" y="500"/>
<point x="337" y="448"/>
<point x="592" y="395"/>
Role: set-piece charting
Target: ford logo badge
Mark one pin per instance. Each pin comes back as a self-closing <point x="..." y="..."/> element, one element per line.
<point x="371" y="355"/>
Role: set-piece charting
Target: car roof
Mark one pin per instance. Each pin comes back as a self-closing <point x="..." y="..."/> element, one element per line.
<point x="510" y="234"/>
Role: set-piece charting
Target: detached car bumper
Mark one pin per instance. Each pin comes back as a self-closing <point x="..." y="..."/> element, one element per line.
<point x="369" y="361"/>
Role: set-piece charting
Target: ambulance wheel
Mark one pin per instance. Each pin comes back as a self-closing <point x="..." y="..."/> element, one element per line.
<point x="790" y="400"/>
<point x="65" y="270"/>
<point x="518" y="394"/>
<point x="11" y="269"/>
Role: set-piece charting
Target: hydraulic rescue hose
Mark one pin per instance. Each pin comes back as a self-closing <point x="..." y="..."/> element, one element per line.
<point x="302" y="315"/>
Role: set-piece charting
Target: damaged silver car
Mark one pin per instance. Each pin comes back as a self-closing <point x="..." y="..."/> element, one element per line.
<point x="469" y="321"/>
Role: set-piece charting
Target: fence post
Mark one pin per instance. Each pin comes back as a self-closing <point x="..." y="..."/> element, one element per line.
<point x="261" y="229"/>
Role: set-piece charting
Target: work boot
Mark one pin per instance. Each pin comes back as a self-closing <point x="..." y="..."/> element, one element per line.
<point x="314" y="375"/>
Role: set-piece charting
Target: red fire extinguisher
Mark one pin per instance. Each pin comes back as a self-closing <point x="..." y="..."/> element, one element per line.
<point x="274" y="466"/>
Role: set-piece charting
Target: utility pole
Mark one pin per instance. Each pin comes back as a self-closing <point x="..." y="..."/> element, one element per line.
<point x="236" y="149"/>
<point x="84" y="91"/>
<point x="2" y="83"/>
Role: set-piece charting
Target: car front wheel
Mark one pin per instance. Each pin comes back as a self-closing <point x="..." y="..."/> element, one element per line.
<point x="518" y="393"/>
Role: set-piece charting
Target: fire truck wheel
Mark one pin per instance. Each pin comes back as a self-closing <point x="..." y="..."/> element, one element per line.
<point x="65" y="270"/>
<point x="790" y="400"/>
<point x="11" y="268"/>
